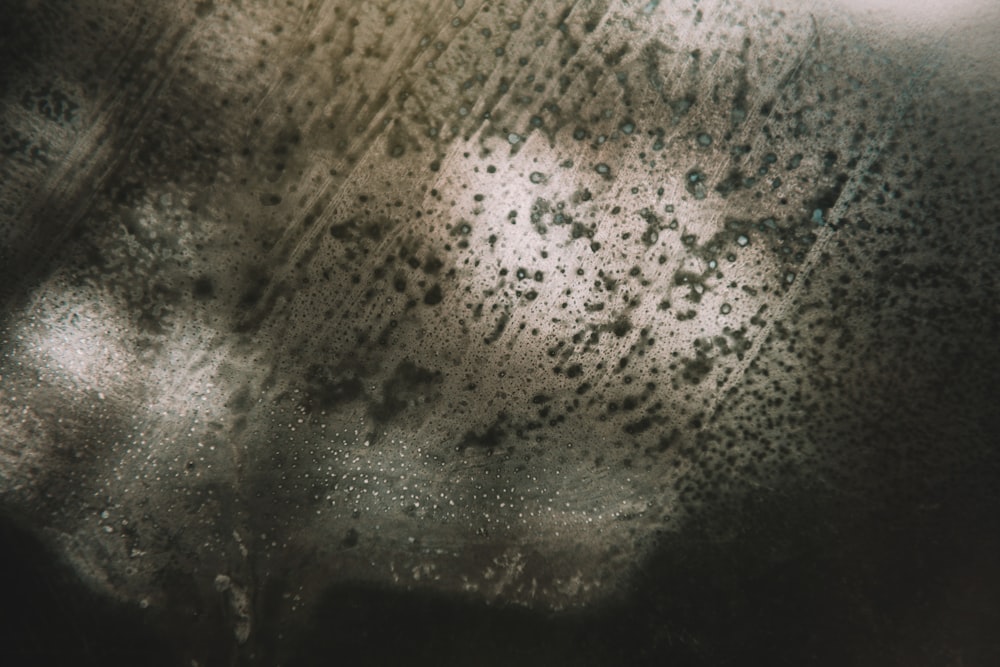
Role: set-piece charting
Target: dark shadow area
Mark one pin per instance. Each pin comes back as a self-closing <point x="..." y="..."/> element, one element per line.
<point x="47" y="617"/>
<point x="790" y="577"/>
<point x="791" y="584"/>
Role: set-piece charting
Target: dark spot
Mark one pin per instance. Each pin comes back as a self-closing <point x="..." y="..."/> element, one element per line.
<point x="667" y="440"/>
<point x="492" y="437"/>
<point x="258" y="282"/>
<point x="637" y="427"/>
<point x="695" y="370"/>
<point x="498" y="329"/>
<point x="621" y="326"/>
<point x="204" y="8"/>
<point x="203" y="288"/>
<point x="433" y="296"/>
<point x="350" y="539"/>
<point x="399" y="282"/>
<point x="432" y="265"/>
<point x="408" y="386"/>
<point x="328" y="388"/>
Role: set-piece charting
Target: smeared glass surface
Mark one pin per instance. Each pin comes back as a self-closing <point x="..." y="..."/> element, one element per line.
<point x="549" y="306"/>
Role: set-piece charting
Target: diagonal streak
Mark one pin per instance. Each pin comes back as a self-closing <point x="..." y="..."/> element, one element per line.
<point x="918" y="83"/>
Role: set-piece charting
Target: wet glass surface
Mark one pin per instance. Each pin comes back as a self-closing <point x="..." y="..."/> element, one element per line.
<point x="445" y="332"/>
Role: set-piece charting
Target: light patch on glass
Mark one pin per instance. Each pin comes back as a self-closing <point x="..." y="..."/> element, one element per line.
<point x="78" y="338"/>
<point x="183" y="383"/>
<point x="913" y="13"/>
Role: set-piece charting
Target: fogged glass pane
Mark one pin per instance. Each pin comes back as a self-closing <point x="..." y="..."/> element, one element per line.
<point x="452" y="332"/>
